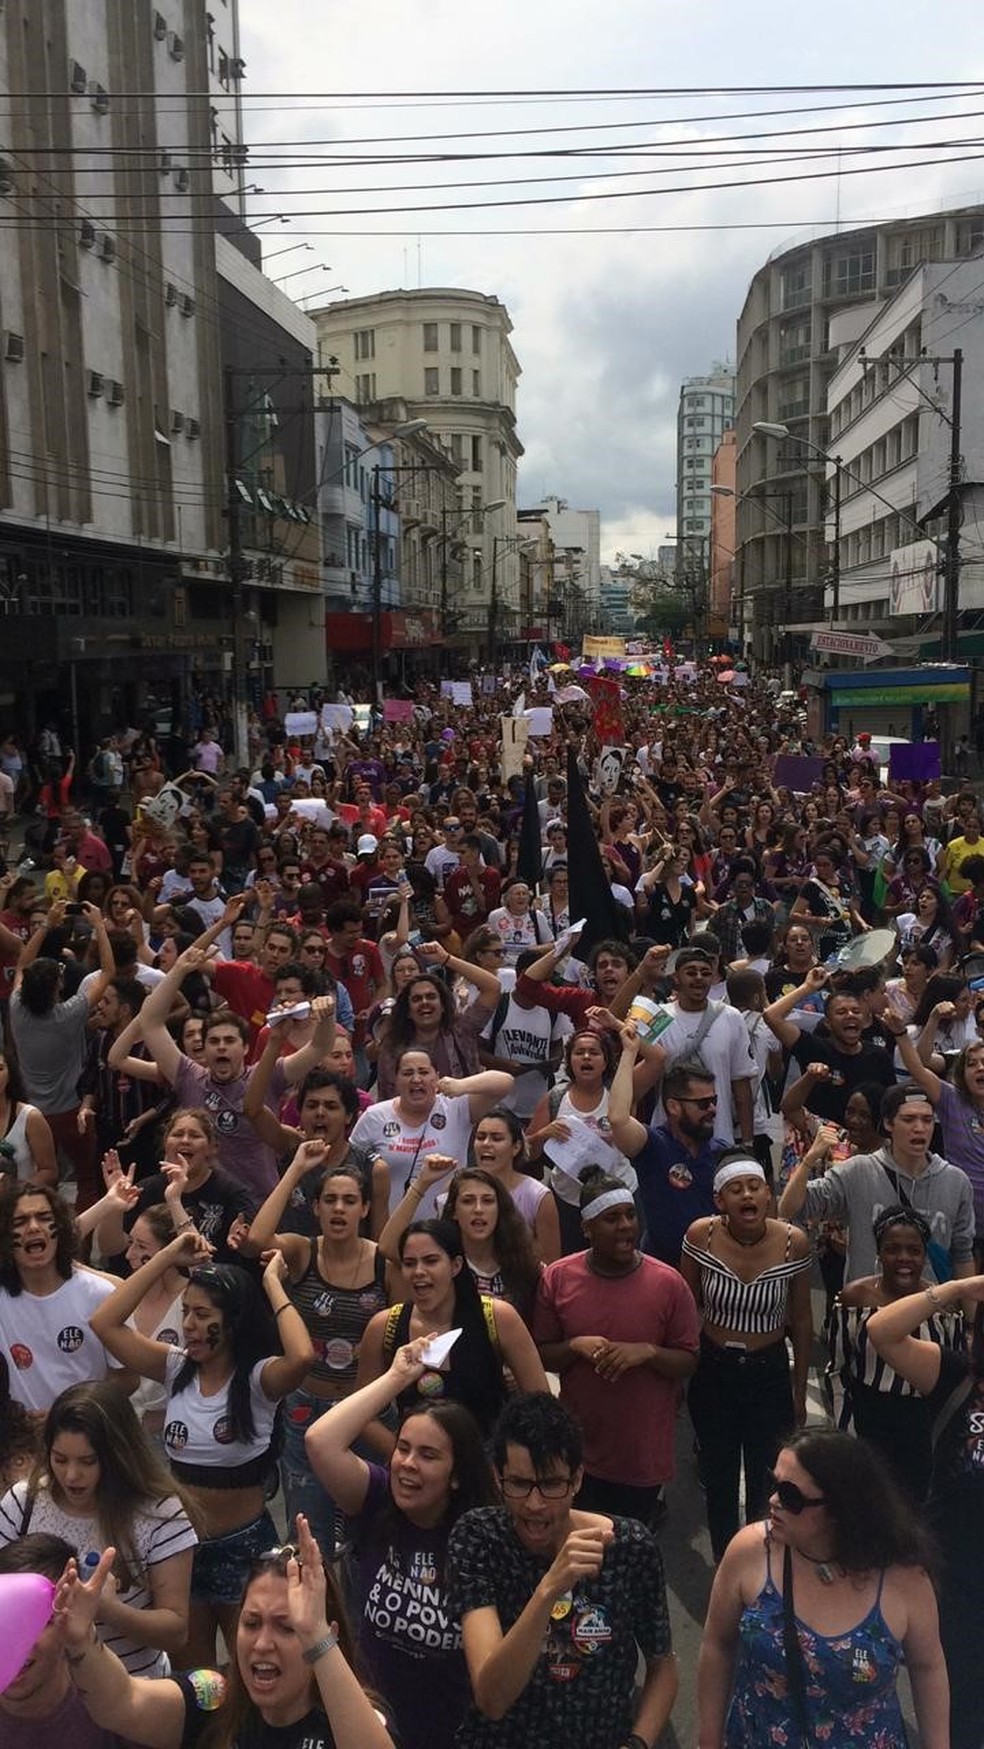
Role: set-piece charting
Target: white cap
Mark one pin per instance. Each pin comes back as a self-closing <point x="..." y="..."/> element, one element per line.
<point x="367" y="845"/>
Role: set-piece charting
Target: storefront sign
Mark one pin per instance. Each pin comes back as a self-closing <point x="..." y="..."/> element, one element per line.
<point x="943" y="692"/>
<point x="865" y="647"/>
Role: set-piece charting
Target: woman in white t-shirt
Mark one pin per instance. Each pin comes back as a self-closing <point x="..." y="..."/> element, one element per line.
<point x="98" y="1483"/>
<point x="431" y="1114"/>
<point x="223" y="1387"/>
<point x="516" y="922"/>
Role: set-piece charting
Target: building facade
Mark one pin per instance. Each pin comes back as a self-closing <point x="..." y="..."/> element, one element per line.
<point x="723" y="614"/>
<point x="705" y="412"/>
<point x="146" y="364"/>
<point x="447" y="354"/>
<point x="890" y="411"/>
<point x="785" y="363"/>
<point x="576" y="535"/>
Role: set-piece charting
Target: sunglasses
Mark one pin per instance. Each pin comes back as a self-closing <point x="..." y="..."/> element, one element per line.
<point x="790" y="1496"/>
<point x="706" y="1104"/>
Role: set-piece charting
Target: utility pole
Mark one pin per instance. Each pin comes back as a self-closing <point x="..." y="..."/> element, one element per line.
<point x="237" y="570"/>
<point x="951" y="576"/>
<point x="835" y="567"/>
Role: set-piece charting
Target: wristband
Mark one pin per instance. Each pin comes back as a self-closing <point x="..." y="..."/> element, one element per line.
<point x="285" y="1308"/>
<point x="327" y="1644"/>
<point x="933" y="1295"/>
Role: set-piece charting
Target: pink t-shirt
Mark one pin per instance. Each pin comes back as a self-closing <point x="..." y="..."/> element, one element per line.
<point x="628" y="1422"/>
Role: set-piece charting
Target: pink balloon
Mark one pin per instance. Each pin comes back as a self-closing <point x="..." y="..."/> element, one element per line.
<point x="25" y="1608"/>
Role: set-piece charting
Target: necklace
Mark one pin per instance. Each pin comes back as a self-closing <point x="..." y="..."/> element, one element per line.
<point x="746" y="1244"/>
<point x="827" y="1571"/>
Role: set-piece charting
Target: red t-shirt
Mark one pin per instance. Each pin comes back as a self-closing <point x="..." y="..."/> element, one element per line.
<point x="246" y="990"/>
<point x="332" y="878"/>
<point x="459" y="896"/>
<point x="361" y="971"/>
<point x="628" y="1422"/>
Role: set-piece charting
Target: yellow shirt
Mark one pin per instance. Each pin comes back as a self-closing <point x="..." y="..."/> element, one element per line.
<point x="62" y="884"/>
<point x="953" y="855"/>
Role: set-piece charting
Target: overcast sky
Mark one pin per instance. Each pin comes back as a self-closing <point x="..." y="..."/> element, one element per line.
<point x="605" y="325"/>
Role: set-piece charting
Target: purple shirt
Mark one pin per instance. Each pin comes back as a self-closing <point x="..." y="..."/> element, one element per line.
<point x="241" y="1153"/>
<point x="962" y="1126"/>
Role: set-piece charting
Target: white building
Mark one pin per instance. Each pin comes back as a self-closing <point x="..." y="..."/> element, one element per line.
<point x="889" y="406"/>
<point x="447" y="354"/>
<point x="576" y="535"/>
<point x="706" y="411"/>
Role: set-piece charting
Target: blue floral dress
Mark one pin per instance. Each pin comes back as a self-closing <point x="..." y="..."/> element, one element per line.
<point x="851" y="1693"/>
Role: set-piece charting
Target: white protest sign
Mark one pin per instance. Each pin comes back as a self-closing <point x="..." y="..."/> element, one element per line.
<point x="301" y="722"/>
<point x="337" y="717"/>
<point x="540" y="719"/>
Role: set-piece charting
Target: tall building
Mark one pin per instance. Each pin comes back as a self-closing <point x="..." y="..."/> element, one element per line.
<point x="447" y="354"/>
<point x="706" y="411"/>
<point x="785" y="362"/>
<point x="722" y="542"/>
<point x="576" y="535"/>
<point x="141" y="353"/>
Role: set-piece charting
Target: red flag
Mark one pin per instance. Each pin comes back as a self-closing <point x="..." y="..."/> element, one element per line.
<point x="606" y="695"/>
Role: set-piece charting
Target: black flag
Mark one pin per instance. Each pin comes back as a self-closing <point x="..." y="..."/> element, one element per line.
<point x="529" y="860"/>
<point x="589" y="886"/>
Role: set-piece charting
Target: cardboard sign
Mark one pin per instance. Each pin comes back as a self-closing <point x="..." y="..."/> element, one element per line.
<point x="796" y="772"/>
<point x="596" y="649"/>
<point x="515" y="734"/>
<point x="301" y="722"/>
<point x="397" y="710"/>
<point x="914" y="761"/>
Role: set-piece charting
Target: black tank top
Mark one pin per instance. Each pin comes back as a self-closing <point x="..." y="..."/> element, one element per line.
<point x="335" y="1318"/>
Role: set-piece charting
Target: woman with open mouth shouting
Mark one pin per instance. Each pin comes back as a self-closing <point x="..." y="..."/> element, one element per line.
<point x="400" y="1518"/>
<point x="290" y="1682"/>
<point x="224" y="1384"/>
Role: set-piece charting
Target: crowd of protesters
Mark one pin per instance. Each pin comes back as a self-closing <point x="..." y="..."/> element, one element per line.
<point x="397" y="1130"/>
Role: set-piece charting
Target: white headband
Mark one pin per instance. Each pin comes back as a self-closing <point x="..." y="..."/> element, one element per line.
<point x="737" y="1169"/>
<point x="608" y="1199"/>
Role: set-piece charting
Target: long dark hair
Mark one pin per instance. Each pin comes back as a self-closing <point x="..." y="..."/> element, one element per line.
<point x="873" y="1525"/>
<point x="513" y="1241"/>
<point x="10" y="1195"/>
<point x="132" y="1476"/>
<point x="402" y="1032"/>
<point x="251" y="1333"/>
<point x="468" y="1315"/>
<point x="941" y="987"/>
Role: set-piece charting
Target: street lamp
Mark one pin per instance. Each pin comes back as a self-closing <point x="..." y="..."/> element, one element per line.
<point x="407" y="429"/>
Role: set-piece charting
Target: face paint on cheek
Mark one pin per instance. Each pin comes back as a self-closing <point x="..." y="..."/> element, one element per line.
<point x="213" y="1335"/>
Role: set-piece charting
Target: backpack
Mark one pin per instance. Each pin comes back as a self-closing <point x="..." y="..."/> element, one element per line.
<point x="395" y="1313"/>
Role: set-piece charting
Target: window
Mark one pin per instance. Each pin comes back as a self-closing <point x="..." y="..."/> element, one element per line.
<point x="457" y="444"/>
<point x="455" y="340"/>
<point x="432" y="380"/>
<point x="365" y="387"/>
<point x="365" y="343"/>
<point x="849" y="274"/>
<point x="476" y="383"/>
<point x="797" y="286"/>
<point x="456" y="379"/>
<point x="476" y="455"/>
<point x="477" y="342"/>
<point x="430" y="336"/>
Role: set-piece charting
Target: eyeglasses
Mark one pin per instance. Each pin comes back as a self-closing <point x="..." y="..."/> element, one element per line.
<point x="706" y="1104"/>
<point x="790" y="1496"/>
<point x="548" y="1487"/>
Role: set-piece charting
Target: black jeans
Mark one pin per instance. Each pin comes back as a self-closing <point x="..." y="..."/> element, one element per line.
<point x="621" y="1500"/>
<point x="741" y="1405"/>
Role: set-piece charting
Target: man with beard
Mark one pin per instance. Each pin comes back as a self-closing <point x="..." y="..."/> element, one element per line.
<point x="835" y="1058"/>
<point x="675" y="1160"/>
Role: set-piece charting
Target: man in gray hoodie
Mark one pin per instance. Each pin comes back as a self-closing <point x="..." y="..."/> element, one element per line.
<point x="856" y="1190"/>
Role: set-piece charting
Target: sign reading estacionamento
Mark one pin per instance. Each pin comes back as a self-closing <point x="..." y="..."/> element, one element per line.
<point x="863" y="645"/>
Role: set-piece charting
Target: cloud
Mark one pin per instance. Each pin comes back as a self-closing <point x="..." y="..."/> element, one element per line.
<point x="606" y="327"/>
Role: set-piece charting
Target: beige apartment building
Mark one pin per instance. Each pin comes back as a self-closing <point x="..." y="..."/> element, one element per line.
<point x="447" y="354"/>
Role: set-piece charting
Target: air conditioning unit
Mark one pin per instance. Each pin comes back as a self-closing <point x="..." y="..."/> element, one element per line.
<point x="182" y="180"/>
<point x="77" y="80"/>
<point x="170" y="295"/>
<point x="99" y="97"/>
<point x="107" y="247"/>
<point x="177" y="421"/>
<point x="87" y="235"/>
<point x="237" y="68"/>
<point x="187" y="304"/>
<point x="94" y="383"/>
<point x="14" y="348"/>
<point x="115" y="395"/>
<point x="193" y="429"/>
<point x="164" y="164"/>
<point x="175" y="46"/>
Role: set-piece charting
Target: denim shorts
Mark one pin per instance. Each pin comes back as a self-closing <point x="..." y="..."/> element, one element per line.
<point x="222" y="1564"/>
